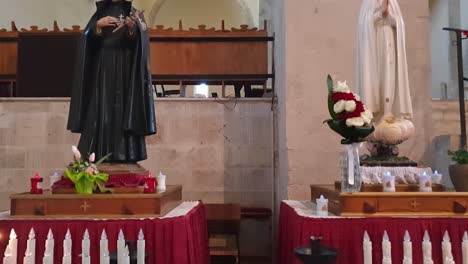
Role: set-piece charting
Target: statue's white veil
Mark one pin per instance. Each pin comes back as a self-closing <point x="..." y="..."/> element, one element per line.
<point x="367" y="61"/>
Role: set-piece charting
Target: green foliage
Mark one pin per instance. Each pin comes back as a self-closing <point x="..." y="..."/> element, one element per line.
<point x="350" y="134"/>
<point x="86" y="176"/>
<point x="459" y="156"/>
<point x="99" y="162"/>
<point x="330" y="101"/>
<point x="86" y="183"/>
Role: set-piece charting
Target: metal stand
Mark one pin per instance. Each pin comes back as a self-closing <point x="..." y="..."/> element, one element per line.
<point x="461" y="82"/>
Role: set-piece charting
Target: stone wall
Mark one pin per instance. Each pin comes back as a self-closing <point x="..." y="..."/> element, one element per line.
<point x="220" y="151"/>
<point x="319" y="39"/>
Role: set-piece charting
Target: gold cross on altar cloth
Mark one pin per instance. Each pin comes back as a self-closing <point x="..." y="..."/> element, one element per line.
<point x="85" y="206"/>
<point x="415" y="204"/>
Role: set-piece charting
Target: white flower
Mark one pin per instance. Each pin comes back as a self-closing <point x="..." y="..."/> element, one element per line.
<point x="354" y="121"/>
<point x="341" y="87"/>
<point x="76" y="152"/>
<point x="367" y="116"/>
<point x="357" y="97"/>
<point x="92" y="157"/>
<point x="350" y="106"/>
<point x="339" y="106"/>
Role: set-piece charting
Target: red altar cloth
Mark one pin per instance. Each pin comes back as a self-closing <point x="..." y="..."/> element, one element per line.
<point x="181" y="240"/>
<point x="346" y="235"/>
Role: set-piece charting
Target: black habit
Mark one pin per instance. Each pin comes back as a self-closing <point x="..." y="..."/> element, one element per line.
<point x="112" y="103"/>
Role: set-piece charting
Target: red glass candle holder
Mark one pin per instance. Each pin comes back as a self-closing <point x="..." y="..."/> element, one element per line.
<point x="150" y="184"/>
<point x="36" y="184"/>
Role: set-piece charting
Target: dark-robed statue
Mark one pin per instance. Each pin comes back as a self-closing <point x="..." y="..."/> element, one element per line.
<point x="112" y="102"/>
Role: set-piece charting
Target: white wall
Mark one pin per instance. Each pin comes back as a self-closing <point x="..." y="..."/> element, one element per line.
<point x="444" y="13"/>
<point x="208" y="12"/>
<point x="43" y="12"/>
<point x="464" y="25"/>
<point x="440" y="46"/>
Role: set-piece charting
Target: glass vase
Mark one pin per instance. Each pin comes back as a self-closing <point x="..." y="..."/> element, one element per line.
<point x="350" y="169"/>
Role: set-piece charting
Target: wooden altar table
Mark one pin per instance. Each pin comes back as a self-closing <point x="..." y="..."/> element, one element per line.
<point x="298" y="222"/>
<point x="180" y="237"/>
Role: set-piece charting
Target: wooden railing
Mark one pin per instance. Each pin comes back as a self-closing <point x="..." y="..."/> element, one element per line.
<point x="178" y="56"/>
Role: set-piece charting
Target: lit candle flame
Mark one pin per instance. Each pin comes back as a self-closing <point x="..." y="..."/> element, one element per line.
<point x="12" y="234"/>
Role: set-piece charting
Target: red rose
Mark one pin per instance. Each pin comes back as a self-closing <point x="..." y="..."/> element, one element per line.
<point x="342" y="96"/>
<point x="356" y="113"/>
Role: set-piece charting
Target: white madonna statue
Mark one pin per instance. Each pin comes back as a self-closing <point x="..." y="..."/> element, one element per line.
<point x="382" y="70"/>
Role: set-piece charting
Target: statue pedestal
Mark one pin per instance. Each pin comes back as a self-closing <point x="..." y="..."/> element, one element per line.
<point x="122" y="168"/>
<point x="138" y="205"/>
<point x="393" y="204"/>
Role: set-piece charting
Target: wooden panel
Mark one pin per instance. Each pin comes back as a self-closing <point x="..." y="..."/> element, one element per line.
<point x="398" y="187"/>
<point x="402" y="204"/>
<point x="8" y="54"/>
<point x="414" y="204"/>
<point x="46" y="64"/>
<point x="8" y="58"/>
<point x="216" y="58"/>
<point x="95" y="206"/>
<point x="238" y="54"/>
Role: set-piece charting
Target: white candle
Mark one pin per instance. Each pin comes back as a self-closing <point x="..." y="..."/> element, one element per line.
<point x="67" y="248"/>
<point x="85" y="259"/>
<point x="30" y="254"/>
<point x="465" y="248"/>
<point x="104" y="248"/>
<point x="85" y="246"/>
<point x="386" y="249"/>
<point x="11" y="255"/>
<point x="161" y="179"/>
<point x="388" y="182"/>
<point x="49" y="249"/>
<point x="407" y="249"/>
<point x="322" y="206"/>
<point x="367" y="248"/>
<point x="425" y="183"/>
<point x="447" y="255"/>
<point x="120" y="247"/>
<point x="13" y="246"/>
<point x="54" y="178"/>
<point x="125" y="258"/>
<point x="8" y="258"/>
<point x="141" y="248"/>
<point x="436" y="177"/>
<point x="427" y="249"/>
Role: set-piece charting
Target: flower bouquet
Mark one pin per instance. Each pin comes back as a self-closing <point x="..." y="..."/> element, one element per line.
<point x="84" y="173"/>
<point x="352" y="121"/>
